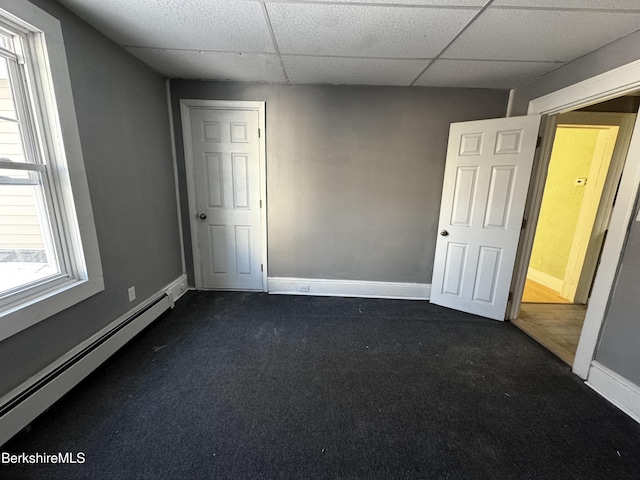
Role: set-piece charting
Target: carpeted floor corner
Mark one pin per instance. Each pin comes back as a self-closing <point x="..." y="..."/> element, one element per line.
<point x="254" y="386"/>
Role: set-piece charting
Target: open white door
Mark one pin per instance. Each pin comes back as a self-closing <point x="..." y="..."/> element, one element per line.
<point x="485" y="188"/>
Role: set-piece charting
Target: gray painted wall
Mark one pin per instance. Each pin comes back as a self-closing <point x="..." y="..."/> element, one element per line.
<point x="619" y="346"/>
<point x="610" y="56"/>
<point x="122" y="115"/>
<point x="354" y="173"/>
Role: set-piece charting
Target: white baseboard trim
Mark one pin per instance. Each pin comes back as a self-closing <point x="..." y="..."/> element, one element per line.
<point x="42" y="398"/>
<point x="177" y="289"/>
<point x="618" y="390"/>
<point x="545" y="279"/>
<point x="348" y="288"/>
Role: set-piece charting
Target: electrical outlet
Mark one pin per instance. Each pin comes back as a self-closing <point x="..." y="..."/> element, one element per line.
<point x="303" y="288"/>
<point x="132" y="293"/>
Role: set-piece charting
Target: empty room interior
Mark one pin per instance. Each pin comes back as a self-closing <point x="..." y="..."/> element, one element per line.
<point x="319" y="239"/>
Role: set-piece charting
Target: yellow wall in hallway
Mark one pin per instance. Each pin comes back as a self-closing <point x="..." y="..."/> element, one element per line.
<point x="571" y="158"/>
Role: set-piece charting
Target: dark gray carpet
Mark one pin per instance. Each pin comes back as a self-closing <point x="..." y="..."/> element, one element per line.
<point x="251" y="386"/>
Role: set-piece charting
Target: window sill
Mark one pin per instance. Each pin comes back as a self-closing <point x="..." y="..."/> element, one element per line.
<point x="28" y="313"/>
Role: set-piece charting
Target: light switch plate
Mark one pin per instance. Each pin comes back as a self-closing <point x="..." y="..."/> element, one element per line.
<point x="580" y="182"/>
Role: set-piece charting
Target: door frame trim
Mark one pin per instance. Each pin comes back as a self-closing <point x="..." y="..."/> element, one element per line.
<point x="186" y="105"/>
<point x="608" y="85"/>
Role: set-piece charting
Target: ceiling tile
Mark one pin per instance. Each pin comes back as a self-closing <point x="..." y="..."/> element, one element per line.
<point x="365" y="31"/>
<point x="352" y="71"/>
<point x="187" y="24"/>
<point x="517" y="34"/>
<point x="482" y="74"/>
<point x="582" y="4"/>
<point x="250" y="67"/>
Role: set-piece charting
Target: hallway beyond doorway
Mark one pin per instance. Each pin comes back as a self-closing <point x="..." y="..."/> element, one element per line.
<point x="555" y="326"/>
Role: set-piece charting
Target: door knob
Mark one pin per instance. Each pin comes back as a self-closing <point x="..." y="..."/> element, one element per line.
<point x="444" y="233"/>
<point x="203" y="216"/>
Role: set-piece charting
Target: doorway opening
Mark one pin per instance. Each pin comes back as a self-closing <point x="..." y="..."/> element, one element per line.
<point x="583" y="175"/>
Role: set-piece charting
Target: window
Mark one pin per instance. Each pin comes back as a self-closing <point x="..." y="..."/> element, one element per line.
<point x="30" y="244"/>
<point x="49" y="257"/>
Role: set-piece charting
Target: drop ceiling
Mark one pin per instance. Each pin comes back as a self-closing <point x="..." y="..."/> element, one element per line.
<point x="455" y="43"/>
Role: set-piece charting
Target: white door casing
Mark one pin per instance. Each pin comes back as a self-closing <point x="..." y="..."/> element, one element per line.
<point x="605" y="86"/>
<point x="484" y="192"/>
<point x="225" y="166"/>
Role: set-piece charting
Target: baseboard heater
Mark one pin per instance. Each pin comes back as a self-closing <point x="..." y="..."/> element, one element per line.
<point x="27" y="404"/>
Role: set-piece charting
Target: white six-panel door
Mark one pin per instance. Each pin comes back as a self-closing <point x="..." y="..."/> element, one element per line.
<point x="226" y="162"/>
<point x="484" y="192"/>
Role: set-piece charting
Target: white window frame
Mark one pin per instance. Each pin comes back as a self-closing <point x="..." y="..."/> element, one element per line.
<point x="59" y="127"/>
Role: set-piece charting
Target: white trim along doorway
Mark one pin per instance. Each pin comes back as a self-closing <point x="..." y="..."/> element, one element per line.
<point x="238" y="169"/>
<point x="620" y="81"/>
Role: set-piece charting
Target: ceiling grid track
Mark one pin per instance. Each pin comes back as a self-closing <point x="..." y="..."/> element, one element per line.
<point x="495" y="44"/>
<point x="373" y="4"/>
<point x="568" y="9"/>
<point x="469" y="23"/>
<point x="273" y="39"/>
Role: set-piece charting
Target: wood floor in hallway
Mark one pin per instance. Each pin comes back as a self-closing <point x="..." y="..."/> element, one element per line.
<point x="555" y="326"/>
<point x="535" y="292"/>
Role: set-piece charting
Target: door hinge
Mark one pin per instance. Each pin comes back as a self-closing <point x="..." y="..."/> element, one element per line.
<point x="524" y="224"/>
<point x="258" y="133"/>
<point x="262" y="267"/>
<point x="510" y="297"/>
<point x="539" y="142"/>
<point x="260" y="203"/>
